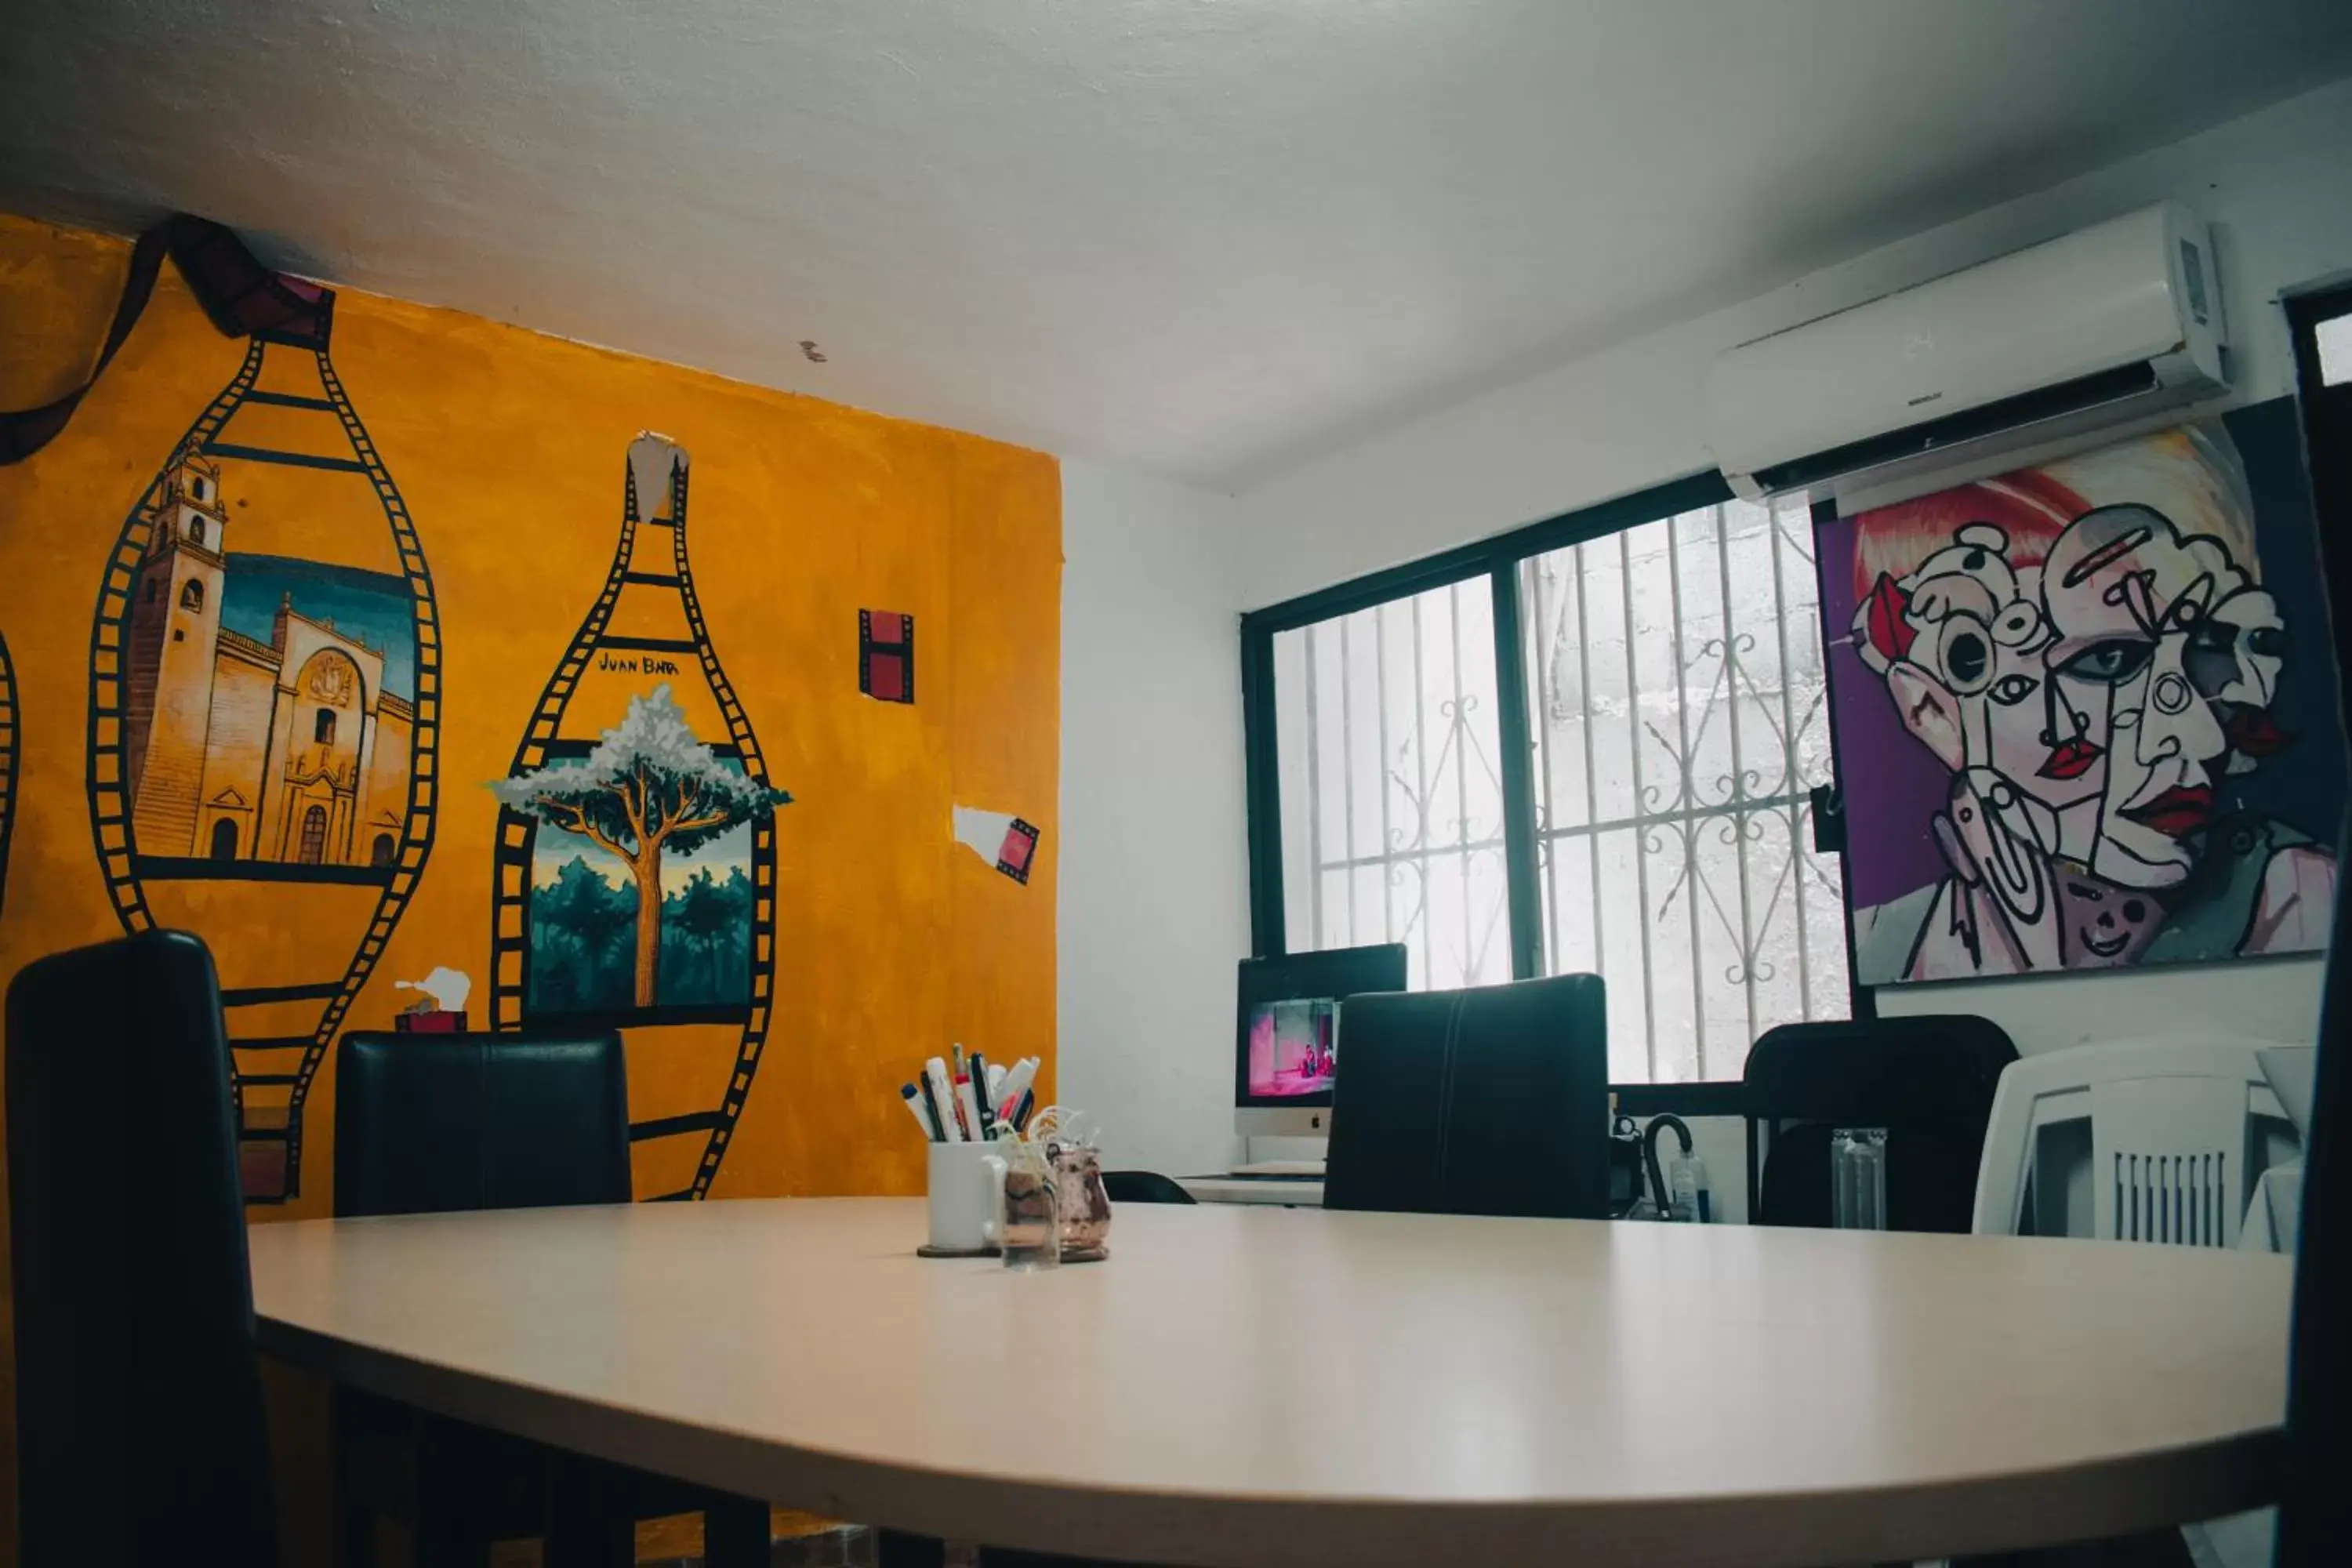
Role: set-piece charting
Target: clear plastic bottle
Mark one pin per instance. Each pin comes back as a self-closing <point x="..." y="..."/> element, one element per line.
<point x="1689" y="1200"/>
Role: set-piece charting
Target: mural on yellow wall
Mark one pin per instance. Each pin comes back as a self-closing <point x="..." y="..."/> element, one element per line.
<point x="268" y="708"/>
<point x="262" y="716"/>
<point x="636" y="861"/>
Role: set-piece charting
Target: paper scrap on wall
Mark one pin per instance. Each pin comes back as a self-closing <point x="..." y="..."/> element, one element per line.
<point x="999" y="837"/>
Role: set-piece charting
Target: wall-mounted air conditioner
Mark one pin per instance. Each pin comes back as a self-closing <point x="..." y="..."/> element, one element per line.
<point x="2092" y="330"/>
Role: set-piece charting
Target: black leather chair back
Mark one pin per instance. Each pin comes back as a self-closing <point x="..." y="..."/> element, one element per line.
<point x="1930" y="1080"/>
<point x="1493" y="1100"/>
<point x="140" y="1432"/>
<point x="1143" y="1187"/>
<point x="434" y="1124"/>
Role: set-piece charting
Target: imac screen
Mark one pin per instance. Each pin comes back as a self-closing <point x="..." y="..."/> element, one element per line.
<point x="1290" y="1047"/>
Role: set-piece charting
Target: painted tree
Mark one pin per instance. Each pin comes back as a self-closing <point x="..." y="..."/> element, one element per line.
<point x="649" y="788"/>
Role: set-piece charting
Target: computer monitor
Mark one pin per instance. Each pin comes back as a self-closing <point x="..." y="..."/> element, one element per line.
<point x="1286" y="1044"/>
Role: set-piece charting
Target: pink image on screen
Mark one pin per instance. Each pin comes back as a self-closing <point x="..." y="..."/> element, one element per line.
<point x="1290" y="1047"/>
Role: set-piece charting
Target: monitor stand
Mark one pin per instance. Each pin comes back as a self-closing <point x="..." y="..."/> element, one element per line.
<point x="1288" y="1154"/>
<point x="1281" y="1168"/>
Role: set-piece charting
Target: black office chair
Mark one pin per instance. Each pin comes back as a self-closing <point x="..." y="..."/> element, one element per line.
<point x="141" y="1436"/>
<point x="435" y="1124"/>
<point x="1928" y="1080"/>
<point x="1143" y="1187"/>
<point x="1493" y="1100"/>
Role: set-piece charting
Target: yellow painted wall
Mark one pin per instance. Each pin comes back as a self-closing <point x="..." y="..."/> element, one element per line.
<point x="508" y="449"/>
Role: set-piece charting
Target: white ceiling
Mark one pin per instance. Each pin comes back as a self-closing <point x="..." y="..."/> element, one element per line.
<point x="1209" y="236"/>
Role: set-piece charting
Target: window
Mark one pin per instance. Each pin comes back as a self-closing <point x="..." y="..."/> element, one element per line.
<point x="322" y="726"/>
<point x="314" y="836"/>
<point x="154" y="589"/>
<point x="380" y="853"/>
<point x="1587" y="747"/>
<point x="1392" y="789"/>
<point x="2331" y="344"/>
<point x="224" y="839"/>
<point x="192" y="595"/>
<point x="1680" y="725"/>
<point x="195" y="531"/>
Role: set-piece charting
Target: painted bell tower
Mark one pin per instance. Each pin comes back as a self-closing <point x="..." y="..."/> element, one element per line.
<point x="175" y="631"/>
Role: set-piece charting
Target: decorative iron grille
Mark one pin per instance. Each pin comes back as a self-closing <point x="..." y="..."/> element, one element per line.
<point x="1392" y="800"/>
<point x="1680" y="722"/>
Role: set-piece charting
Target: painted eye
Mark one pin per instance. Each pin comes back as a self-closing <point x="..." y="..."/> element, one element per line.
<point x="2011" y="690"/>
<point x="2266" y="642"/>
<point x="1965" y="653"/>
<point x="2212" y="636"/>
<point x="2109" y="663"/>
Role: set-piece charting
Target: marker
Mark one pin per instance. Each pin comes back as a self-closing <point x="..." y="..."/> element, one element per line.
<point x="943" y="1096"/>
<point x="915" y="1109"/>
<point x="931" y="1107"/>
<point x="1022" y="1112"/>
<point x="980" y="1102"/>
<point x="970" y="1105"/>
<point x="996" y="1075"/>
<point x="1017" y="1084"/>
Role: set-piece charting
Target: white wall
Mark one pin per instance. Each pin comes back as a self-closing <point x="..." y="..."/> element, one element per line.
<point x="2274" y="186"/>
<point x="1154" y="864"/>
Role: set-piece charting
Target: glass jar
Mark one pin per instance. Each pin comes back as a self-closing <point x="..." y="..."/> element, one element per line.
<point x="1085" y="1205"/>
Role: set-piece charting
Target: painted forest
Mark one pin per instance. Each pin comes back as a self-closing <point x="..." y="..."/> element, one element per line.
<point x="582" y="942"/>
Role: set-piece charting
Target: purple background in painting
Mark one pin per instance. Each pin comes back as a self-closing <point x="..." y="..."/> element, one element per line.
<point x="1895" y="786"/>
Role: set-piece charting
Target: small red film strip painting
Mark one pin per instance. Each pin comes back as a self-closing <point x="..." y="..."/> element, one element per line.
<point x="1018" y="852"/>
<point x="885" y="656"/>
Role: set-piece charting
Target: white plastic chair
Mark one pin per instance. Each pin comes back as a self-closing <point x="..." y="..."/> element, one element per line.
<point x="2174" y="1147"/>
<point x="2174" y="1154"/>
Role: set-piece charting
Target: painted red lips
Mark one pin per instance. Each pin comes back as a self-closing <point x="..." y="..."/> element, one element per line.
<point x="2177" y="813"/>
<point x="2071" y="759"/>
<point x="2252" y="731"/>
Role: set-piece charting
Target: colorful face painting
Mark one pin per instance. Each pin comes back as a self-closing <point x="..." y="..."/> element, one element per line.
<point x="2066" y="705"/>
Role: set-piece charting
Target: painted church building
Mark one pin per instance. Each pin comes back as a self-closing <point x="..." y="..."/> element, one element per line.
<point x="288" y="751"/>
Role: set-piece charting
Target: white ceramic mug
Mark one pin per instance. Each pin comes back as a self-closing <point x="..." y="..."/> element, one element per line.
<point x="967" y="1195"/>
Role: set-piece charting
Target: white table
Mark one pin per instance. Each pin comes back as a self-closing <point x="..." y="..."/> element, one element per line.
<point x="1304" y="1387"/>
<point x="1286" y="1191"/>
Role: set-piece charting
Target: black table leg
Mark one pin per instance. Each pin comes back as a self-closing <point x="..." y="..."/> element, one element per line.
<point x="735" y="1533"/>
<point x="589" y="1522"/>
<point x="896" y="1549"/>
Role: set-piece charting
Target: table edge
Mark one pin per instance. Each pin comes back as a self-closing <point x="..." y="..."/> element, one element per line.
<point x="2114" y="1496"/>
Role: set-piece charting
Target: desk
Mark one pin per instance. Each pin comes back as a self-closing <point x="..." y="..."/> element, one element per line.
<point x="1239" y="1389"/>
<point x="1292" y="1192"/>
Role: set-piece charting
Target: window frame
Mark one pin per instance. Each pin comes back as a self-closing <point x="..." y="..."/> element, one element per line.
<point x="1498" y="559"/>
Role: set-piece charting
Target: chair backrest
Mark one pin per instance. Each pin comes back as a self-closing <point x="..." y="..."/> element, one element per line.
<point x="140" y="1430"/>
<point x="1491" y="1101"/>
<point x="1928" y="1080"/>
<point x="1143" y="1187"/>
<point x="431" y="1123"/>
<point x="2171" y="1135"/>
